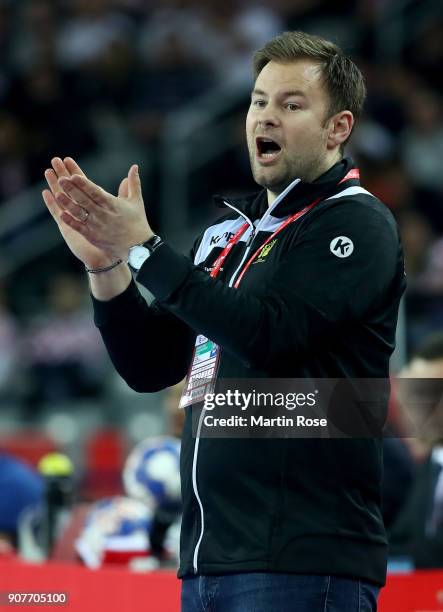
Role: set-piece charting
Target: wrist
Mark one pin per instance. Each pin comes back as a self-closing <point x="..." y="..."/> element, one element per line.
<point x="145" y="237"/>
<point x="101" y="269"/>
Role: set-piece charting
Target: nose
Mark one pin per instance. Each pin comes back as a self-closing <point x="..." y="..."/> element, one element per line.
<point x="268" y="115"/>
<point x="268" y="118"/>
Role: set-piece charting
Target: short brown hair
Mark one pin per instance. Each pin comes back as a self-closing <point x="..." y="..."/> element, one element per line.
<point x="343" y="80"/>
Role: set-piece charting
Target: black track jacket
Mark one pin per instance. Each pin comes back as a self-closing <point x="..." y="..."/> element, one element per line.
<point x="276" y="505"/>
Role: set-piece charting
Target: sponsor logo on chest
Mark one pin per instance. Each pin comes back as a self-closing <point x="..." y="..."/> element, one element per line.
<point x="265" y="252"/>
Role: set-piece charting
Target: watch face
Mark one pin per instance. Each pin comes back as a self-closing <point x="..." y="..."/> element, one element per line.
<point x="137" y="256"/>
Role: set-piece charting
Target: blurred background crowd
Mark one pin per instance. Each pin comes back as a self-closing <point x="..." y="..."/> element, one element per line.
<point x="166" y="83"/>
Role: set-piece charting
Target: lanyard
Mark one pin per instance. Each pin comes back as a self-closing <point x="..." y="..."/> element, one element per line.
<point x="221" y="258"/>
<point x="281" y="227"/>
<point x="352" y="174"/>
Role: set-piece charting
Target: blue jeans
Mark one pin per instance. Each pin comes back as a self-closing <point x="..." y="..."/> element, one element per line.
<point x="266" y="592"/>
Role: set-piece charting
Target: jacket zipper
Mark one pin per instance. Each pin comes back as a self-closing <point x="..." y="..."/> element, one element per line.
<point x="197" y="438"/>
<point x="197" y="495"/>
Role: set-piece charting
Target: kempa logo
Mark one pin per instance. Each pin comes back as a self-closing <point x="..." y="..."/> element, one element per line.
<point x="216" y="239"/>
<point x="342" y="246"/>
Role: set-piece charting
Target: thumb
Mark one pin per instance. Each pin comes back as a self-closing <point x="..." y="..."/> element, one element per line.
<point x="134" y="184"/>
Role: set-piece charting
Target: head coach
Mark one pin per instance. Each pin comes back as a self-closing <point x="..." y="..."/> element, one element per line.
<point x="271" y="524"/>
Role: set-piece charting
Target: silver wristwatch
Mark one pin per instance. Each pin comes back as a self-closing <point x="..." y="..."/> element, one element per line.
<point x="139" y="253"/>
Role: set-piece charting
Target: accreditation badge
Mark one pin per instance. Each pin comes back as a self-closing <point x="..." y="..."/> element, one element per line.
<point x="202" y="373"/>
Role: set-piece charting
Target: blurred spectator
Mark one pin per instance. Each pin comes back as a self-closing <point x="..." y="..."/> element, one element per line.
<point x="230" y="32"/>
<point x="89" y="31"/>
<point x="177" y="20"/>
<point x="418" y="531"/>
<point x="9" y="339"/>
<point x="14" y="175"/>
<point x="398" y="475"/>
<point x="63" y="350"/>
<point x="35" y="29"/>
<point x="52" y="119"/>
<point x="221" y="35"/>
<point x="388" y="88"/>
<point x="167" y="84"/>
<point x="6" y="32"/>
<point x="21" y="487"/>
<point x="328" y="19"/>
<point x="422" y="141"/>
<point x="373" y="141"/>
<point x="425" y="52"/>
<point x="152" y="475"/>
<point x="432" y="278"/>
<point x="112" y="79"/>
<point x="388" y="181"/>
<point x="115" y="530"/>
<point x="422" y="151"/>
<point x="417" y="237"/>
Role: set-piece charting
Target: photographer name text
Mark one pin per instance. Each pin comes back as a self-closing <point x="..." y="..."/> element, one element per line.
<point x="261" y="421"/>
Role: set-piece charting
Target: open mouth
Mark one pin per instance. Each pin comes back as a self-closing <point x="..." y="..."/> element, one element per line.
<point x="267" y="148"/>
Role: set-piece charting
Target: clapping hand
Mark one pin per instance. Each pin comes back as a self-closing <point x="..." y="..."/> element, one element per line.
<point x="97" y="226"/>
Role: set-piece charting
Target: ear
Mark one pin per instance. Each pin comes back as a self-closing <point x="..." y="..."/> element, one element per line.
<point x="339" y="128"/>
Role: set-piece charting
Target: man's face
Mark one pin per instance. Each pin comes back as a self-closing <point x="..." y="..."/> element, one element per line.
<point x="420" y="394"/>
<point x="288" y="105"/>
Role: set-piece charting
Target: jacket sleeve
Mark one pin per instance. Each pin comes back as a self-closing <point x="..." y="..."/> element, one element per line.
<point x="150" y="348"/>
<point x="309" y="294"/>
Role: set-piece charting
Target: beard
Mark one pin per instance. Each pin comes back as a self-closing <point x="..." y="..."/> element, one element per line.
<point x="276" y="178"/>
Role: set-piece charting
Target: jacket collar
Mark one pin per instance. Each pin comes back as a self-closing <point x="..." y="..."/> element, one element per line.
<point x="254" y="205"/>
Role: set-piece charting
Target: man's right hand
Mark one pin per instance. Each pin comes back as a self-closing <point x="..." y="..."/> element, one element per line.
<point x="89" y="254"/>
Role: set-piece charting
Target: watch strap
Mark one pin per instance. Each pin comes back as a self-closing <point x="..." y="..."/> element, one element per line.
<point x="153" y="243"/>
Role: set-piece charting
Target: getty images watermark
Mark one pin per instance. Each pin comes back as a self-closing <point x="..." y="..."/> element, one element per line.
<point x="255" y="399"/>
<point x="291" y="408"/>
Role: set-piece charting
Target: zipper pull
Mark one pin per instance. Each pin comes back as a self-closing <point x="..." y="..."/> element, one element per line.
<point x="251" y="238"/>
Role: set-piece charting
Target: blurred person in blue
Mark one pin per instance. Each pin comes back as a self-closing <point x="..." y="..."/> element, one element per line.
<point x="21" y="487"/>
<point x="417" y="533"/>
<point x="300" y="280"/>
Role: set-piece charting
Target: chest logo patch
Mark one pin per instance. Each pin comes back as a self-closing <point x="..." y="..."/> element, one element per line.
<point x="265" y="251"/>
<point x="341" y="246"/>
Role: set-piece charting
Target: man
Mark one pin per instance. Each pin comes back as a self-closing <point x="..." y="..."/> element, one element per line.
<point x="268" y="524"/>
<point x="417" y="533"/>
<point x="22" y="486"/>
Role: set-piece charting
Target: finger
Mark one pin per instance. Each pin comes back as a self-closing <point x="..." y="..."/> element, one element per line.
<point x="81" y="187"/>
<point x="73" y="167"/>
<point x="51" y="179"/>
<point x="51" y="204"/>
<point x="134" y="184"/>
<point x="123" y="189"/>
<point x="66" y="204"/>
<point x="78" y="226"/>
<point x="74" y="195"/>
<point x="59" y="167"/>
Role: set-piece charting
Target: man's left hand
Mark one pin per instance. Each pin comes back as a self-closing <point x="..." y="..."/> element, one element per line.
<point x="111" y="223"/>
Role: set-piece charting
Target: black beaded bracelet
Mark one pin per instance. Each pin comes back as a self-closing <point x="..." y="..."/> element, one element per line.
<point x="98" y="270"/>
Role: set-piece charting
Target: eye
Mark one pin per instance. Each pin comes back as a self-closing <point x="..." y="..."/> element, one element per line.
<point x="258" y="103"/>
<point x="292" y="106"/>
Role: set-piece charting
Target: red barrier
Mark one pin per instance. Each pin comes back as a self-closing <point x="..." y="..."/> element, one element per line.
<point x="118" y="590"/>
<point x="107" y="589"/>
<point x="420" y="591"/>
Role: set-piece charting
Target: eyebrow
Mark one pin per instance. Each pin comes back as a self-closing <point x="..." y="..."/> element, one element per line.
<point x="284" y="94"/>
